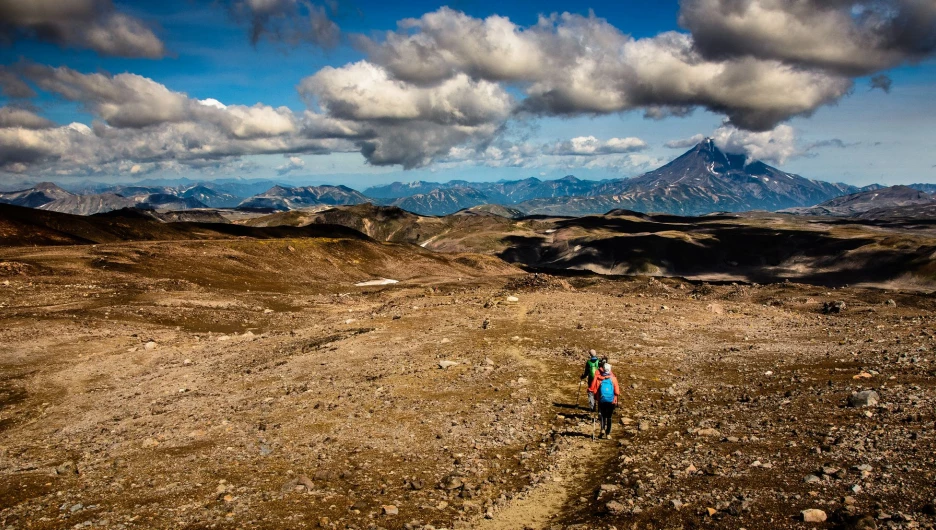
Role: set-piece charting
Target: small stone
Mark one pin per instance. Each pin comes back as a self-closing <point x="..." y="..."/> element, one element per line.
<point x="446" y="340"/>
<point x="446" y="364"/>
<point x="452" y="483"/>
<point x="149" y="346"/>
<point x="643" y="426"/>
<point x="866" y="398"/>
<point x="708" y="432"/>
<point x="813" y="515"/>
<point x="513" y="299"/>
<point x="614" y="507"/>
<point x="677" y="504"/>
<point x="711" y="511"/>
<point x="890" y="303"/>
<point x="811" y="479"/>
<point x="390" y="509"/>
<point x="67" y="468"/>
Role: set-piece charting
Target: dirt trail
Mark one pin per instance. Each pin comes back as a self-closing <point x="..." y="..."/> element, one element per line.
<point x="543" y="504"/>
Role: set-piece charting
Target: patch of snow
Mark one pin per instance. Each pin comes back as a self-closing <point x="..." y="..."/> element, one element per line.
<point x="381" y="281"/>
<point x="550" y="231"/>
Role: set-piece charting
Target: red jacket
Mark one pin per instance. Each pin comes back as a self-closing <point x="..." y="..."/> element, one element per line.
<point x="601" y="376"/>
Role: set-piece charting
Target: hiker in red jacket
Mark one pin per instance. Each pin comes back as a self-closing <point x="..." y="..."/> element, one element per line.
<point x="606" y="390"/>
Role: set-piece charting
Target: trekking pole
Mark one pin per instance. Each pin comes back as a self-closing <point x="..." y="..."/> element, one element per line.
<point x="578" y="394"/>
<point x="593" y="425"/>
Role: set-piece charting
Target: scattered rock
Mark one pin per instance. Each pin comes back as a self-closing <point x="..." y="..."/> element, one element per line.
<point x="890" y="303"/>
<point x="513" y="299"/>
<point x="865" y="522"/>
<point x="67" y="468"/>
<point x="614" y="507"/>
<point x="834" y="307"/>
<point x="149" y="346"/>
<point x="865" y="398"/>
<point x="390" y="509"/>
<point x="707" y="432"/>
<point x="452" y="483"/>
<point x="446" y="364"/>
<point x="813" y="515"/>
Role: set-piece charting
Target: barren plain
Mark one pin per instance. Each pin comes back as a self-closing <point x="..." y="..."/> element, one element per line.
<point x="248" y="383"/>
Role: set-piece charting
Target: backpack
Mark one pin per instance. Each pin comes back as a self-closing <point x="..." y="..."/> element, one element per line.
<point x="592" y="368"/>
<point x="606" y="390"/>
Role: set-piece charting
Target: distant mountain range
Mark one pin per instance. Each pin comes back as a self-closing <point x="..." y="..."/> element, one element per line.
<point x="282" y="198"/>
<point x="877" y="203"/>
<point x="701" y="181"/>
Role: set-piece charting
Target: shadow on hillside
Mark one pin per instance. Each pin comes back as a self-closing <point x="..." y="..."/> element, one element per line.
<point x="757" y="254"/>
<point x="28" y="226"/>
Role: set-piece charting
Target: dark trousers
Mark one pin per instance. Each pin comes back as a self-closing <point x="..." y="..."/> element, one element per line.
<point x="605" y="411"/>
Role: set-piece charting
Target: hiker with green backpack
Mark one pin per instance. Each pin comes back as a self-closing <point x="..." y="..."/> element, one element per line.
<point x="591" y="369"/>
<point x="605" y="389"/>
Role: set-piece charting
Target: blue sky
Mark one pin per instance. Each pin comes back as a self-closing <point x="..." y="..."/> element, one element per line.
<point x="837" y="129"/>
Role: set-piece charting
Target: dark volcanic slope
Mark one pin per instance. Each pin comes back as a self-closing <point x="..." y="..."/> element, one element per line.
<point x="755" y="247"/>
<point x="25" y="226"/>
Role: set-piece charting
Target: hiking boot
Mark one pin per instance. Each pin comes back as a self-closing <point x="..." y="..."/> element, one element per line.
<point x="607" y="436"/>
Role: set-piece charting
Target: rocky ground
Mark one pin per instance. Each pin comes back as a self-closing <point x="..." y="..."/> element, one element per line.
<point x="132" y="398"/>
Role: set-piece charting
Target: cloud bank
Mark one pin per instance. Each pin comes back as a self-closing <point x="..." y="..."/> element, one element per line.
<point x="447" y="86"/>
<point x="88" y="24"/>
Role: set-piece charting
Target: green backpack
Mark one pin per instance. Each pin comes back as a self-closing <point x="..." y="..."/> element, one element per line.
<point x="592" y="368"/>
